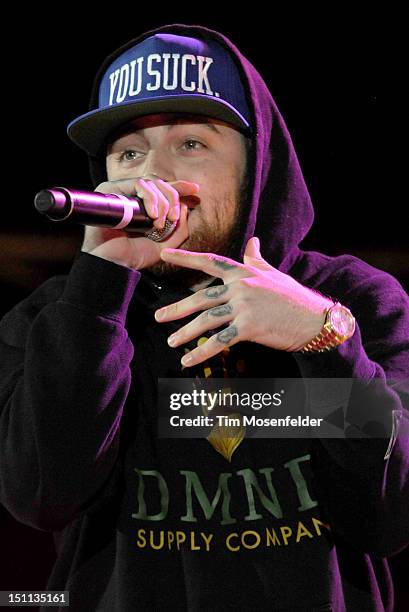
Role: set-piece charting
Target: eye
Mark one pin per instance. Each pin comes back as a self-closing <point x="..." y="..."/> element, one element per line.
<point x="192" y="145"/>
<point x="129" y="155"/>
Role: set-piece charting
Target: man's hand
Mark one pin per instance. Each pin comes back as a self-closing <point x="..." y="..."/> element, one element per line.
<point x="162" y="201"/>
<point x="257" y="302"/>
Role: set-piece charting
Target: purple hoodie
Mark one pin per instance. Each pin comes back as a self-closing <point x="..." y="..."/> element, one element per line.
<point x="142" y="522"/>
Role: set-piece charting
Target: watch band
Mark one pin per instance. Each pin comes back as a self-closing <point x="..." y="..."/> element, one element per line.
<point x="328" y="338"/>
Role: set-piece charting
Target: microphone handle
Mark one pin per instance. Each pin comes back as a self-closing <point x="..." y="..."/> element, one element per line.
<point x="93" y="208"/>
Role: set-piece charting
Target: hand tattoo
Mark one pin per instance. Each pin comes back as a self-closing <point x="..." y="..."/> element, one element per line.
<point x="224" y="265"/>
<point x="215" y="292"/>
<point x="227" y="334"/>
<point x="220" y="311"/>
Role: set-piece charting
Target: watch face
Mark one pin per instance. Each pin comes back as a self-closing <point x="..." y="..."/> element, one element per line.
<point x="342" y="321"/>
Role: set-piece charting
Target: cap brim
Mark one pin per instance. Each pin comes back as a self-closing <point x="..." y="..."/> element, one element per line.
<point x="91" y="131"/>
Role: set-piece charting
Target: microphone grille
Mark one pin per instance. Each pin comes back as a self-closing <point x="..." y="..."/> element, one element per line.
<point x="44" y="201"/>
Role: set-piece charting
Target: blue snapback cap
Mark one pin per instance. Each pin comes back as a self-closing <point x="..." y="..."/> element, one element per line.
<point x="165" y="73"/>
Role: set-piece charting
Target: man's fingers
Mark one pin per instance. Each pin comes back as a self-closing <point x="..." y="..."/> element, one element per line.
<point x="212" y="346"/>
<point x="185" y="188"/>
<point x="150" y="198"/>
<point x="200" y="300"/>
<point x="208" y="320"/>
<point x="162" y="199"/>
<point x="214" y="265"/>
<point x="181" y="233"/>
<point x="172" y="196"/>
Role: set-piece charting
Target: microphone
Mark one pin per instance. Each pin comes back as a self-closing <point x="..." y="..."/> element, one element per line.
<point x="111" y="210"/>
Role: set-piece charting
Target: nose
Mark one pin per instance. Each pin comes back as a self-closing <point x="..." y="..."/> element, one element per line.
<point x="157" y="165"/>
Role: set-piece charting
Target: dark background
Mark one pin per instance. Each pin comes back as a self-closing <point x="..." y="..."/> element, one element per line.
<point x="330" y="75"/>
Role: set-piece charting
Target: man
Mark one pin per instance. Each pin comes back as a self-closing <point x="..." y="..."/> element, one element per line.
<point x="181" y="119"/>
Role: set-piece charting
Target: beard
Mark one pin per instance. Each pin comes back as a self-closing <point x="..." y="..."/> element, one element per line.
<point x="216" y="237"/>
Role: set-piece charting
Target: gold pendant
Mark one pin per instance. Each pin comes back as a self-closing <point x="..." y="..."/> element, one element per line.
<point x="225" y="439"/>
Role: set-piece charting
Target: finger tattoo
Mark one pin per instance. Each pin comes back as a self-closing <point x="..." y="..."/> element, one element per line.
<point x="220" y="311"/>
<point x="215" y="292"/>
<point x="224" y="265"/>
<point x="226" y="335"/>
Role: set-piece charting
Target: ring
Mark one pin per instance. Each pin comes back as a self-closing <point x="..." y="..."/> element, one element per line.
<point x="159" y="235"/>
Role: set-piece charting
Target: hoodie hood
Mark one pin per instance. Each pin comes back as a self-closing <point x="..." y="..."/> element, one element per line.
<point x="279" y="209"/>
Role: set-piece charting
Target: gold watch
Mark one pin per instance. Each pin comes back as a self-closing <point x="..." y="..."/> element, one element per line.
<point x="339" y="325"/>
